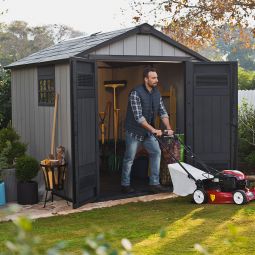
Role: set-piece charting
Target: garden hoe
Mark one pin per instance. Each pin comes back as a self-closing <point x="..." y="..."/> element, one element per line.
<point x="114" y="85"/>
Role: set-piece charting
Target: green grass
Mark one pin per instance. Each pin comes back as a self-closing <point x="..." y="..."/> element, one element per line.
<point x="221" y="229"/>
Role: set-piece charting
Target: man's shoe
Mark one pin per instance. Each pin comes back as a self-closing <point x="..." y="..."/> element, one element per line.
<point x="127" y="189"/>
<point x="158" y="189"/>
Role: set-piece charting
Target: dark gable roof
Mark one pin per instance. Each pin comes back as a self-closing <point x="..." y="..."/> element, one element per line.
<point x="85" y="44"/>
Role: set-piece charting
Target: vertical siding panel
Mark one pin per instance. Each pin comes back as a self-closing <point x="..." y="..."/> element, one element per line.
<point x="155" y="46"/>
<point x="68" y="111"/>
<point x="68" y="124"/>
<point x="37" y="117"/>
<point x="103" y="51"/>
<point x="143" y="45"/>
<point x="18" y="100"/>
<point x="47" y="134"/>
<point x="14" y="97"/>
<point x="167" y="50"/>
<point x="130" y="45"/>
<point x="32" y="112"/>
<point x="179" y="53"/>
<point x="23" y="106"/>
<point x="63" y="106"/>
<point x="117" y="48"/>
<point x="26" y="113"/>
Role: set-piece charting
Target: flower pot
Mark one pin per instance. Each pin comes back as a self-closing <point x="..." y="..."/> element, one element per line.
<point x="27" y="193"/>
<point x="10" y="181"/>
<point x="2" y="193"/>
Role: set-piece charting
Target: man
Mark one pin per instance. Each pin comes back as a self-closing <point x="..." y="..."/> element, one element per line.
<point x="144" y="103"/>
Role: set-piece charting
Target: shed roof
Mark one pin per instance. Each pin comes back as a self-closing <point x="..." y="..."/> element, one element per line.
<point x="86" y="44"/>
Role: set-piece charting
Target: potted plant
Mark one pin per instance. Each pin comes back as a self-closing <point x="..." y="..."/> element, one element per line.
<point x="27" y="190"/>
<point x="10" y="149"/>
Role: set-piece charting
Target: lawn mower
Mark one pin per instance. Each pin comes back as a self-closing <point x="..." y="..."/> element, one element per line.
<point x="208" y="185"/>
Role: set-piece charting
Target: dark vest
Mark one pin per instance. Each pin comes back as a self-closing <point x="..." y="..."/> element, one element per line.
<point x="150" y="102"/>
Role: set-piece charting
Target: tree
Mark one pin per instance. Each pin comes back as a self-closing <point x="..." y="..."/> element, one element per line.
<point x="193" y="23"/>
<point x="19" y="40"/>
<point x="246" y="79"/>
<point x="5" y="98"/>
<point x="232" y="44"/>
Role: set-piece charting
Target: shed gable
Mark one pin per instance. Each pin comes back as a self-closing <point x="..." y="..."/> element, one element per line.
<point x="140" y="45"/>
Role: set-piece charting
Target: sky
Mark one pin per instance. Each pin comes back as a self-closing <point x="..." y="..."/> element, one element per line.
<point x="89" y="16"/>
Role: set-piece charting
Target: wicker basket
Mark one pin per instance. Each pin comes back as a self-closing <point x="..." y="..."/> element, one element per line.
<point x="173" y="146"/>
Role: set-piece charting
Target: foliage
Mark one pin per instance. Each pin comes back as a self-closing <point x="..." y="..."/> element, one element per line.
<point x="193" y="23"/>
<point x="10" y="147"/>
<point x="26" y="168"/>
<point x="25" y="40"/>
<point x="251" y="158"/>
<point x="5" y="98"/>
<point x="246" y="79"/>
<point x="246" y="132"/>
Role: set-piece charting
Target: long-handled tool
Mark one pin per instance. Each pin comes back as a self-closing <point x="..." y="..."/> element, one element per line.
<point x="102" y="116"/>
<point x="54" y="126"/>
<point x="114" y="85"/>
<point x="108" y="113"/>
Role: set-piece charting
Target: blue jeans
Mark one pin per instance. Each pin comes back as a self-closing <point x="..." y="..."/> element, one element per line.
<point x="151" y="145"/>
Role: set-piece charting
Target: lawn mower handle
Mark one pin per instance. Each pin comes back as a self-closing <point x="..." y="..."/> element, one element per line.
<point x="171" y="154"/>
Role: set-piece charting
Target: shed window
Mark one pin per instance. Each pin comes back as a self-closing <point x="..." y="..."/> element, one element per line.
<point x="46" y="85"/>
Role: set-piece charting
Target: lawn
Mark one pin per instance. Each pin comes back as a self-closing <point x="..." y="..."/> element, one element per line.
<point x="221" y="229"/>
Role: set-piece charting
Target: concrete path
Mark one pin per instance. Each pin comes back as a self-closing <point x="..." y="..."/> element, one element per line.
<point x="60" y="207"/>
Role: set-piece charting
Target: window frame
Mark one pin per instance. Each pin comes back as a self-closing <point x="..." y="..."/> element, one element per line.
<point x="46" y="73"/>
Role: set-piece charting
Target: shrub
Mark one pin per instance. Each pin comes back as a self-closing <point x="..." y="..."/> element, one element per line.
<point x="246" y="132"/>
<point x="10" y="147"/>
<point x="26" y="168"/>
<point x="5" y="97"/>
<point x="250" y="159"/>
<point x="246" y="79"/>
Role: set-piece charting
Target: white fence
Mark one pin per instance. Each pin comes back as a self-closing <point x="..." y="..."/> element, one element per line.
<point x="249" y="95"/>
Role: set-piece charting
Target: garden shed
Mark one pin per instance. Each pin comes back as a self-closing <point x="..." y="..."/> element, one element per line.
<point x="78" y="70"/>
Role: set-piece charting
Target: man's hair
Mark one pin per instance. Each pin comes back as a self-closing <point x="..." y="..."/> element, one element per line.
<point x="148" y="69"/>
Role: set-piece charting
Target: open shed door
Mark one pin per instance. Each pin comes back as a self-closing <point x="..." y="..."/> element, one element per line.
<point x="211" y="112"/>
<point x="84" y="131"/>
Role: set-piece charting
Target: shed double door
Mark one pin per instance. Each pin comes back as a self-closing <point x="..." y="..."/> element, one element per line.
<point x="211" y="112"/>
<point x="85" y="156"/>
<point x="210" y="120"/>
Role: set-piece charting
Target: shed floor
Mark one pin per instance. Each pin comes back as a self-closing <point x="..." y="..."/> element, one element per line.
<point x="110" y="187"/>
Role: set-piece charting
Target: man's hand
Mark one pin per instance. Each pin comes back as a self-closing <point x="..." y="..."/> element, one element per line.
<point x="169" y="132"/>
<point x="157" y="132"/>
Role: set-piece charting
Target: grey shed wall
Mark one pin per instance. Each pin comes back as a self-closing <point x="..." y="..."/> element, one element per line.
<point x="34" y="123"/>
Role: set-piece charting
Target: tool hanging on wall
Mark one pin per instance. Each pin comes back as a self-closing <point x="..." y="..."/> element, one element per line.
<point x="54" y="126"/>
<point x="102" y="116"/>
<point x="108" y="113"/>
<point x="114" y="85"/>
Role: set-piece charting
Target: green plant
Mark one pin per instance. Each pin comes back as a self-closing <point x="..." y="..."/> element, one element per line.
<point x="10" y="147"/>
<point x="251" y="158"/>
<point x="26" y="168"/>
<point x="5" y="97"/>
<point x="246" y="79"/>
<point x="246" y="132"/>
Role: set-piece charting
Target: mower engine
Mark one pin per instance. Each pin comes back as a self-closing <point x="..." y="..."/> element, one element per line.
<point x="228" y="186"/>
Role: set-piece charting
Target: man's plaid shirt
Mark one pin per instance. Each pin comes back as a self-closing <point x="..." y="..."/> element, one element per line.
<point x="136" y="106"/>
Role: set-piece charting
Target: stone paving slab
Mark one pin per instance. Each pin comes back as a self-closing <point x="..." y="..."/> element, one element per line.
<point x="60" y="207"/>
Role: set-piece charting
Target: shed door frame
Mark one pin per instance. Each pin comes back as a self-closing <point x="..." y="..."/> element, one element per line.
<point x="233" y="111"/>
<point x="85" y="185"/>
